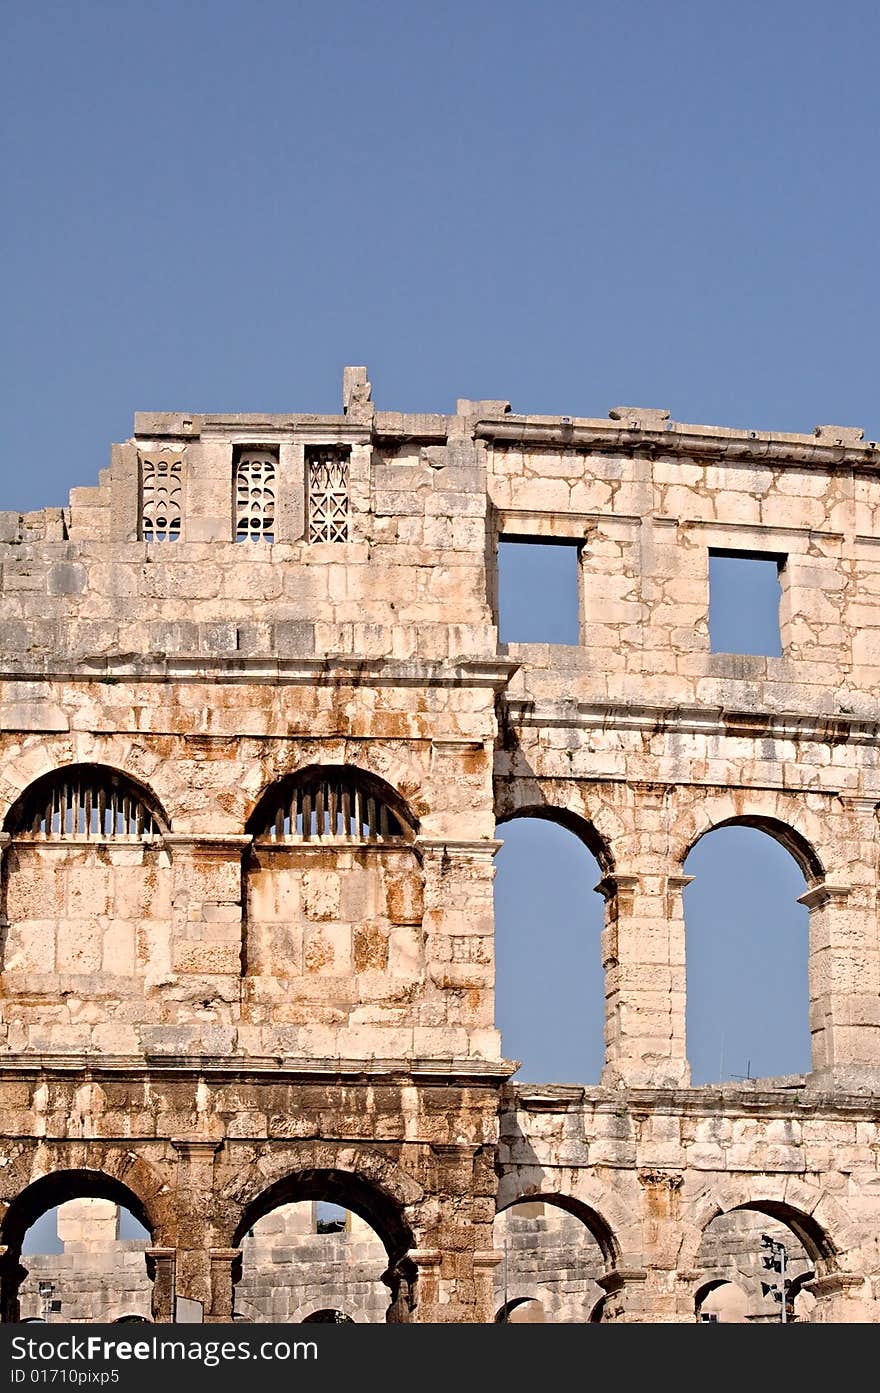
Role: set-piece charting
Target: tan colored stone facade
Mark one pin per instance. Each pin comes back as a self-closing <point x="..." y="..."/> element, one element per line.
<point x="248" y="799"/>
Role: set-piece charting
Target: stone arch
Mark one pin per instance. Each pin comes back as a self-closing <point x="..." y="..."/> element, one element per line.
<point x="77" y="1182"/>
<point x="599" y="828"/>
<point x="348" y="1188"/>
<point x="504" y="1313"/>
<point x="46" y="1192"/>
<point x="369" y="1186"/>
<point x="328" y="1315"/>
<point x="549" y="861"/>
<point x="593" y="1221"/>
<point x="785" y="820"/>
<point x="714" y="1284"/>
<point x="373" y="785"/>
<point x="813" y="1236"/>
<point x="86" y="770"/>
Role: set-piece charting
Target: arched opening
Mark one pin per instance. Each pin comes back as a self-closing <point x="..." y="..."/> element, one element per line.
<point x="750" y="1255"/>
<point x="327" y="1316"/>
<point x="331" y="803"/>
<point x="76" y="1251"/>
<point x="721" y="1303"/>
<point x="523" y="1310"/>
<point x="321" y="1241"/>
<point x="549" y="982"/>
<point x="747" y="946"/>
<point x="86" y="896"/>
<point x="553" y="1252"/>
<point x="334" y="905"/>
<point x="85" y="802"/>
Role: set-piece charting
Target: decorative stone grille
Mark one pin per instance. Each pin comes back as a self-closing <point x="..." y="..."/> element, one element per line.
<point x="327" y="473"/>
<point x="160" y="499"/>
<point x="255" y="483"/>
<point x="329" y="807"/>
<point x="84" y="804"/>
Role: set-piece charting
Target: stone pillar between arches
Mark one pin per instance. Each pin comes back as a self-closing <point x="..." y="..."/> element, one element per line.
<point x="644" y="961"/>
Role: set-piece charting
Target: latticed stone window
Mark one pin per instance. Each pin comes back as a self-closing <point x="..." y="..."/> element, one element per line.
<point x="327" y="470"/>
<point x="160" y="499"/>
<point x="329" y="805"/>
<point x="255" y="483"/>
<point x="83" y="803"/>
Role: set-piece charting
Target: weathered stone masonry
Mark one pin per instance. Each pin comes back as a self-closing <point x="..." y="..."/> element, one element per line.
<point x="248" y="799"/>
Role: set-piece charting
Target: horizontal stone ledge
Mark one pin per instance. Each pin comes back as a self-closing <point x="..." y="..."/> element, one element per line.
<point x="711" y="721"/>
<point x="242" y="1067"/>
<point x="786" y="1100"/>
<point x="609" y="437"/>
<point x="333" y="670"/>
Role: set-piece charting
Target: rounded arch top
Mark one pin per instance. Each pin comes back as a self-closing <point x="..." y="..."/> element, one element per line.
<point x="809" y="1233"/>
<point x="57" y="1188"/>
<point x="89" y="801"/>
<point x="332" y="802"/>
<point x="802" y="851"/>
<point x="591" y="1219"/>
<point x="585" y="830"/>
<point x="369" y="1200"/>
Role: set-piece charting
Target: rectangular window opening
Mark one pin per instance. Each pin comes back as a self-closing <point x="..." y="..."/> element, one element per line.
<point x="327" y="500"/>
<point x="744" y="594"/>
<point x="538" y="590"/>
<point x="160" y="499"/>
<point x="255" y="485"/>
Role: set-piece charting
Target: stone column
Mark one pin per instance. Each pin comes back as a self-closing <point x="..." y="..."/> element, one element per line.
<point x="644" y="960"/>
<point x="195" y="1268"/>
<point x="455" y="1256"/>
<point x="5" y="839"/>
<point x="12" y="1274"/>
<point x="459" y="925"/>
<point x="225" y="1272"/>
<point x="844" y="984"/>
<point x="161" y="1263"/>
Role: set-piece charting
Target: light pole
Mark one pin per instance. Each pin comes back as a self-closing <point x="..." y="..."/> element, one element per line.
<point x="776" y="1261"/>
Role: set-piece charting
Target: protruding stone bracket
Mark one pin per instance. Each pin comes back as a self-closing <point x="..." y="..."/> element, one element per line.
<point x="820" y="895"/>
<point x="446" y="850"/>
<point x="833" y="1284"/>
<point x="488" y="1257"/>
<point x="619" y="887"/>
<point x="675" y="885"/>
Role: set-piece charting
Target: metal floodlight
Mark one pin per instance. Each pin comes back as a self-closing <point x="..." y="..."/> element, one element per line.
<point x="766" y="1240"/>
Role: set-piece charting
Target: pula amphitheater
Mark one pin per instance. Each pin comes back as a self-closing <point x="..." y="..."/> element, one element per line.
<point x="258" y="744"/>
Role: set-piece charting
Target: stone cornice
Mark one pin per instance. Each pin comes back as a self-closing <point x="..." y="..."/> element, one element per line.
<point x="711" y="721"/>
<point x="490" y="672"/>
<point x="750" y="447"/>
<point x="796" y="1100"/>
<point x="273" y="1069"/>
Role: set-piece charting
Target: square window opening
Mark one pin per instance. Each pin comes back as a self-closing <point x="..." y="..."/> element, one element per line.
<point x="744" y="594"/>
<point x="538" y="590"/>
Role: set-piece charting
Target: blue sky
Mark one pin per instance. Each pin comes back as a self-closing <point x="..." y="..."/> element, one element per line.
<point x="217" y="205"/>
